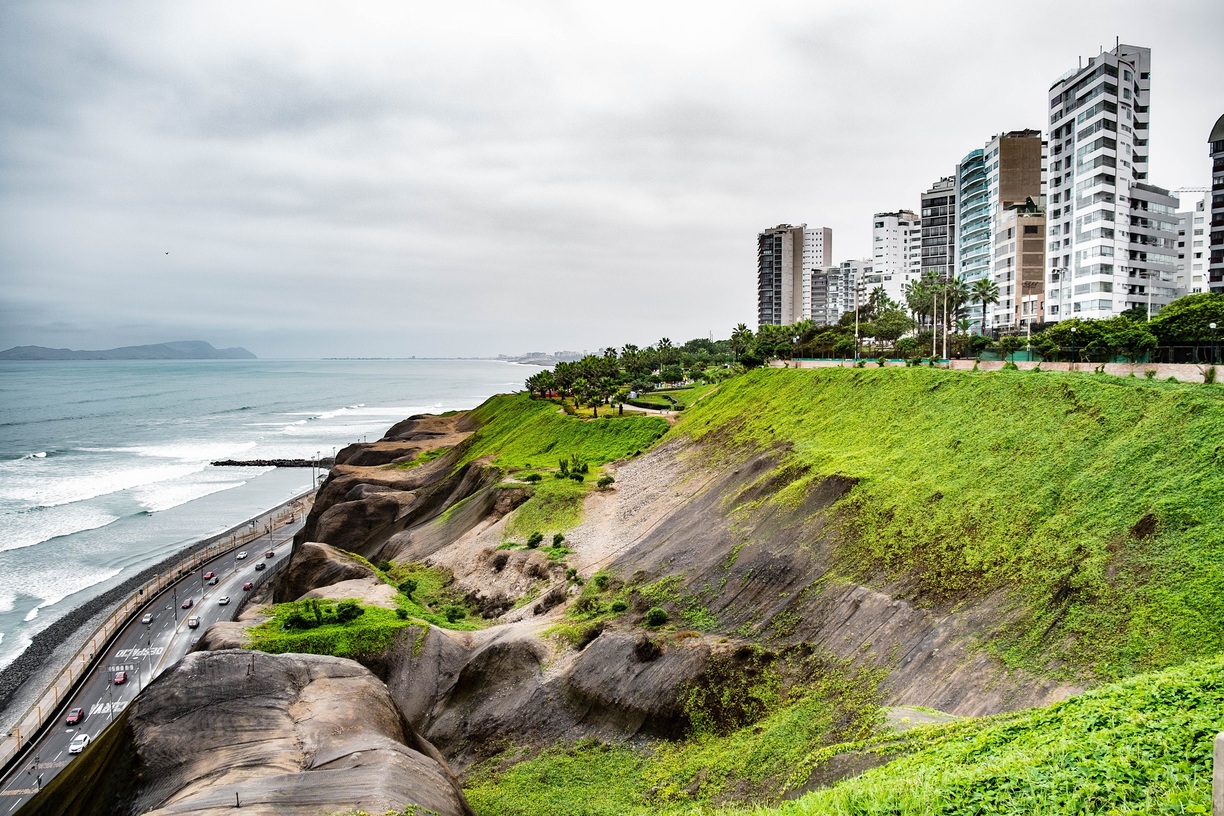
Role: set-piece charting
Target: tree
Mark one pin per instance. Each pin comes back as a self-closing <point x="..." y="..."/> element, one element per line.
<point x="891" y="324"/>
<point x="541" y="383"/>
<point x="741" y="340"/>
<point x="1126" y="338"/>
<point x="984" y="291"/>
<point x="1009" y="344"/>
<point x="1188" y="319"/>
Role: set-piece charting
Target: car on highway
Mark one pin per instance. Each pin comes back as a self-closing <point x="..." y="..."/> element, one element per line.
<point x="187" y="604"/>
<point x="270" y="554"/>
<point x="121" y="677"/>
<point x="75" y="717"/>
<point x="213" y="581"/>
<point x="260" y="565"/>
<point x="241" y="556"/>
<point x="193" y="622"/>
<point x="208" y="576"/>
<point x="248" y="586"/>
<point x="223" y="600"/>
<point x="78" y="743"/>
<point x="148" y="618"/>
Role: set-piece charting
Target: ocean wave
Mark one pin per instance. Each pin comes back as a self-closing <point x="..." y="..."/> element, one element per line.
<point x="71" y="485"/>
<point x="162" y="497"/>
<point x="7" y="601"/>
<point x="53" y="587"/>
<point x="38" y="524"/>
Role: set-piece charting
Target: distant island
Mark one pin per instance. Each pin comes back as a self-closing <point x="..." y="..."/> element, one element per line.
<point x="178" y="350"/>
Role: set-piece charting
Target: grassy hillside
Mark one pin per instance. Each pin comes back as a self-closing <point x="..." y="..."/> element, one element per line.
<point x="1141" y="746"/>
<point x="1096" y="502"/>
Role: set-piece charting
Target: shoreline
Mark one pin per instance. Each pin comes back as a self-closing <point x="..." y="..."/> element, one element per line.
<point x="70" y="632"/>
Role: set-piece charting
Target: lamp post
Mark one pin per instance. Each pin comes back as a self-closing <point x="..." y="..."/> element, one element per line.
<point x="1074" y="347"/>
<point x="1212" y="326"/>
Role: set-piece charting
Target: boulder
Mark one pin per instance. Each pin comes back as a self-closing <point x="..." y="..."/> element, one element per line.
<point x="315" y="565"/>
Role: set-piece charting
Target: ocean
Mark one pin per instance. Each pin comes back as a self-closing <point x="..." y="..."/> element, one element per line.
<point x="104" y="465"/>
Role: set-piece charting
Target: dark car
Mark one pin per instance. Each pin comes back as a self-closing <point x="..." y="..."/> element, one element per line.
<point x="270" y="554"/>
<point x="121" y="677"/>
<point x="75" y="717"/>
<point x="248" y="585"/>
<point x="209" y="575"/>
<point x="260" y="565"/>
<point x="187" y="604"/>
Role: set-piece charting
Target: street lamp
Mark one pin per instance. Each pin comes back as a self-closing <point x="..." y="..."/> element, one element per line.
<point x="1212" y="326"/>
<point x="1074" y="347"/>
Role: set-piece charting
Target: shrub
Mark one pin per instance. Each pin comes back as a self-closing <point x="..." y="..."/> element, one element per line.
<point x="656" y="616"/>
<point x="882" y="361"/>
<point x="560" y="475"/>
<point x="1209" y="375"/>
<point x="534" y="540"/>
<point x="604" y="482"/>
<point x="401" y="613"/>
<point x="600" y="579"/>
<point x="454" y="612"/>
<point x="348" y="610"/>
<point x="577" y="477"/>
<point x="557" y="539"/>
<point x="385" y="565"/>
<point x="861" y="364"/>
<point x="407" y="587"/>
<point x="1150" y="373"/>
<point x="532" y="477"/>
<point x="571" y="574"/>
<point x="619" y="606"/>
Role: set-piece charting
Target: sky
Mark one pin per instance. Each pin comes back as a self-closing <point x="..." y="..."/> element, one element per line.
<point x="470" y="179"/>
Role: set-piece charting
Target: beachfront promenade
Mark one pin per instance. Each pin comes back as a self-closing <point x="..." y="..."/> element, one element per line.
<point x="43" y="695"/>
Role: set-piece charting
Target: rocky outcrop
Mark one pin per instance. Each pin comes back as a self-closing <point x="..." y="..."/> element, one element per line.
<point x="273" y="734"/>
<point x="317" y="565"/>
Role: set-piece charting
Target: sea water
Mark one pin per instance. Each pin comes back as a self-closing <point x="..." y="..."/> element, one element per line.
<point x="104" y="465"/>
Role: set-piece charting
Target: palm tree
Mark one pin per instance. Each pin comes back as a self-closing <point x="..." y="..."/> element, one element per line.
<point x="741" y="339"/>
<point x="984" y="291"/>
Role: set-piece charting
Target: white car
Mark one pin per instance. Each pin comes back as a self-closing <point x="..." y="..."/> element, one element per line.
<point x="241" y="555"/>
<point x="223" y="600"/>
<point x="148" y="618"/>
<point x="78" y="743"/>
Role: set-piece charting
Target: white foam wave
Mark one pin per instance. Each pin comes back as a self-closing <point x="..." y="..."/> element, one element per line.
<point x="66" y="487"/>
<point x="158" y="498"/>
<point x="27" y="528"/>
<point x="55" y="587"/>
<point x="7" y="601"/>
<point x="193" y="451"/>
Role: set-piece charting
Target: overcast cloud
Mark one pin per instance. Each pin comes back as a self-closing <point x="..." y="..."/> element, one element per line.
<point x="393" y="179"/>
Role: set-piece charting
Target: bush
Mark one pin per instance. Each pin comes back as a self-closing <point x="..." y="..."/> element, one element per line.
<point x="348" y="610"/>
<point x="385" y="566"/>
<point x="655" y="616"/>
<point x="454" y="612"/>
<point x="600" y="579"/>
<point x="604" y="482"/>
<point x="557" y="539"/>
<point x="881" y="361"/>
<point x="534" y="540"/>
<point x="1150" y="373"/>
<point x="1209" y="375"/>
<point x="532" y="477"/>
<point x="619" y="606"/>
<point x="407" y="587"/>
<point x="401" y="613"/>
<point x="571" y="574"/>
<point x="577" y="477"/>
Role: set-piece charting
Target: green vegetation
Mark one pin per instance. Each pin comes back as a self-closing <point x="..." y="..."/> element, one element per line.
<point x="423" y="457"/>
<point x="323" y="627"/>
<point x="1092" y="501"/>
<point x="1142" y="746"/>
<point x="767" y="739"/>
<point x="428" y="594"/>
<point x="554" y="503"/>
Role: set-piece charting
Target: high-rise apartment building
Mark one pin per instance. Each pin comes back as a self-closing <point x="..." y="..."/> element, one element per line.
<point x="896" y="239"/>
<point x="833" y="290"/>
<point x="780" y="276"/>
<point x="972" y="217"/>
<point x="1192" y="252"/>
<point x="817" y="254"/>
<point x="1111" y="235"/>
<point x="1018" y="267"/>
<point x="938" y="219"/>
<point x="1215" y="261"/>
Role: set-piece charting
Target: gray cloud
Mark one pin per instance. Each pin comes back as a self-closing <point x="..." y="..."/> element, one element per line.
<point x="403" y="179"/>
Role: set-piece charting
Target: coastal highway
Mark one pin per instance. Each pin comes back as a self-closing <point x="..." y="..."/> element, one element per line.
<point x="144" y="651"/>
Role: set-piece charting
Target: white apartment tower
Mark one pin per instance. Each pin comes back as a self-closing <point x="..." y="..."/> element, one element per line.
<point x="1192" y="252"/>
<point x="833" y="290"/>
<point x="1111" y="235"/>
<point x="817" y="254"/>
<point x="896" y="239"/>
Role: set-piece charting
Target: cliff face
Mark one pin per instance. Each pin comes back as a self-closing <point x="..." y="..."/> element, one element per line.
<point x="274" y="734"/>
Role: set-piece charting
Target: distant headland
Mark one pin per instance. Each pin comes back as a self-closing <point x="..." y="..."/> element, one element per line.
<point x="177" y="350"/>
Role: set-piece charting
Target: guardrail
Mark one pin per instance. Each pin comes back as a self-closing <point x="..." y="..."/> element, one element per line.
<point x="46" y="706"/>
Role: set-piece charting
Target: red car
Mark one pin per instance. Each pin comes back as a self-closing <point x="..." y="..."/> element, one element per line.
<point x="247" y="586"/>
<point x="187" y="604"/>
<point x="120" y="678"/>
<point x="270" y="554"/>
<point x="75" y="717"/>
<point x="209" y="575"/>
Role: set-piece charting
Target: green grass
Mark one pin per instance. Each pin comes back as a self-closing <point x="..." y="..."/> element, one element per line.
<point x="1141" y="746"/>
<point x="521" y="433"/>
<point x="423" y="457"/>
<point x="373" y="633"/>
<point x="674" y="777"/>
<point x="435" y="591"/>
<point x="555" y="506"/>
<point x="1094" y="501"/>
